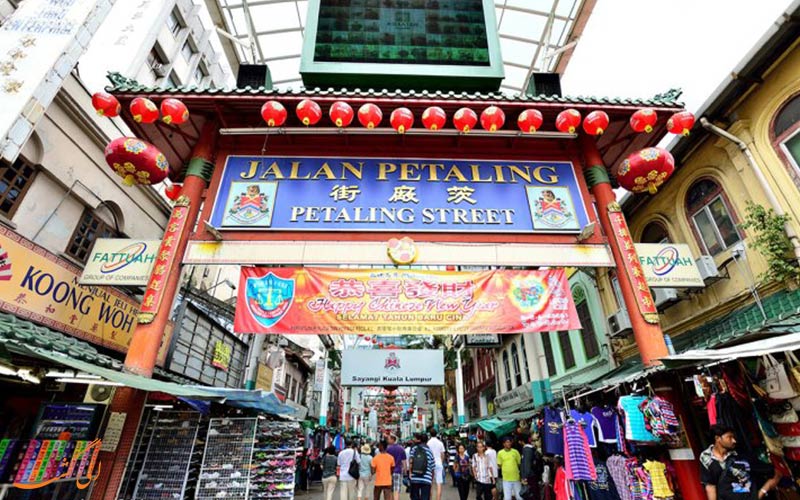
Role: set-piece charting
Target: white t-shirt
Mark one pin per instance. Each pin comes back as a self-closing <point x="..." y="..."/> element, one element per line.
<point x="345" y="457"/>
<point x="492" y="454"/>
<point x="437" y="448"/>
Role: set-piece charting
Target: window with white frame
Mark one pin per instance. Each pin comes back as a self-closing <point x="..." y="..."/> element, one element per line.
<point x="786" y="130"/>
<point x="188" y="51"/>
<point x="525" y="358"/>
<point x="174" y="22"/>
<point x="711" y="217"/>
<point x="515" y="363"/>
<point x="507" y="369"/>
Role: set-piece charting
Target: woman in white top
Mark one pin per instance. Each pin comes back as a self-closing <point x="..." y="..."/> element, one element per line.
<point x="364" y="473"/>
<point x="483" y="473"/>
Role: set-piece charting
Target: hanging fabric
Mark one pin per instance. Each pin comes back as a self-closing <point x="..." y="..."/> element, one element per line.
<point x="577" y="455"/>
<point x="587" y="421"/>
<point x="635" y="428"/>
<point x="553" y="440"/>
<point x="605" y="419"/>
<point x="603" y="488"/>
<point x="658" y="479"/>
<point x="616" y="465"/>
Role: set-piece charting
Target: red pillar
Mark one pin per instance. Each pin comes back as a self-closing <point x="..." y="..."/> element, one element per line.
<point x="646" y="330"/>
<point x="143" y="349"/>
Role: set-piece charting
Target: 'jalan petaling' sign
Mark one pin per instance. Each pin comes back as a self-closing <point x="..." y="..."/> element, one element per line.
<point x="116" y="261"/>
<point x="391" y="194"/>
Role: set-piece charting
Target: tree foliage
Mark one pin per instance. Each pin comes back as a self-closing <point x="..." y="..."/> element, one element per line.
<point x="769" y="238"/>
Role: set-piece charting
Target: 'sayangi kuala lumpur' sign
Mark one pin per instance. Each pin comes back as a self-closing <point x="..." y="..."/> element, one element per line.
<point x="398" y="194"/>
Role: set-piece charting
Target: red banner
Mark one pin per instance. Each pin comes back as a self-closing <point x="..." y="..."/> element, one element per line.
<point x="390" y="302"/>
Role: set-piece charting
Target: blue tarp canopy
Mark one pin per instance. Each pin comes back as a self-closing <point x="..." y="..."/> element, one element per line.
<point x="255" y="400"/>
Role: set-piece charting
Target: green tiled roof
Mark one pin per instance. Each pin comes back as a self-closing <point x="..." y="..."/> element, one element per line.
<point x="23" y="336"/>
<point x="121" y="84"/>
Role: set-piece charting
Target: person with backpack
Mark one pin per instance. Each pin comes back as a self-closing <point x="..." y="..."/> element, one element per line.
<point x="329" y="465"/>
<point x="349" y="464"/>
<point x="421" y="469"/>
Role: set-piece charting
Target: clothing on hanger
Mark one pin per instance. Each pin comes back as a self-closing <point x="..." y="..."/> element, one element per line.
<point x="578" y="459"/>
<point x="605" y="420"/>
<point x="586" y="419"/>
<point x="658" y="478"/>
<point x="711" y="407"/>
<point x="553" y="439"/>
<point x="603" y="488"/>
<point x="635" y="428"/>
<point x="560" y="485"/>
<point x="619" y="474"/>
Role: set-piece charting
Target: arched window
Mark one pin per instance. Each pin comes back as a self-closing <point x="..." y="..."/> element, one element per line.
<point x="786" y="130"/>
<point x="655" y="232"/>
<point x="507" y="369"/>
<point x="711" y="217"/>
<point x="525" y="358"/>
<point x="515" y="362"/>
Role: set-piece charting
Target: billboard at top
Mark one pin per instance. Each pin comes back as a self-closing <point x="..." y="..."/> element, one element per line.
<point x="262" y="193"/>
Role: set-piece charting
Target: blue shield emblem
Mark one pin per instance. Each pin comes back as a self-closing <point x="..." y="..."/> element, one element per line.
<point x="269" y="298"/>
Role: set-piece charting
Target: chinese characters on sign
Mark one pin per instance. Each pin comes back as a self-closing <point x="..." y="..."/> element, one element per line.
<point x="378" y="194"/>
<point x="633" y="267"/>
<point x="222" y="356"/>
<point x="346" y="301"/>
<point x="164" y="261"/>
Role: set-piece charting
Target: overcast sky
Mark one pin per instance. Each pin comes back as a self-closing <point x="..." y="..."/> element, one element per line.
<point x="638" y="48"/>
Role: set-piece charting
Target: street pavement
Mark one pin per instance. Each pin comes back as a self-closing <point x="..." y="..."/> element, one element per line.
<point x="449" y="492"/>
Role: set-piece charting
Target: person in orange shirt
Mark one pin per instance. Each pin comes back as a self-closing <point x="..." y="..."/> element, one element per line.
<point x="382" y="466"/>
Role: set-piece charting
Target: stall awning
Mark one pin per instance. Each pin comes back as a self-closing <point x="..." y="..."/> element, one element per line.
<point x="498" y="427"/>
<point x="782" y="343"/>
<point x="255" y="400"/>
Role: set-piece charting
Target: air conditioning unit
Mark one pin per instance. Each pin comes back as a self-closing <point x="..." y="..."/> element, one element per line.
<point x="99" y="394"/>
<point x="708" y="268"/>
<point x="159" y="69"/>
<point x="664" y="296"/>
<point x="619" y="323"/>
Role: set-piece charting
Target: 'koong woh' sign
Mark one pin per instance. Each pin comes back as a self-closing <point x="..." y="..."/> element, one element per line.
<point x="398" y="194"/>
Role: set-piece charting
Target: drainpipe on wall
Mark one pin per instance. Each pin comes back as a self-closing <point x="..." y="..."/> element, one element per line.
<point x="773" y="201"/>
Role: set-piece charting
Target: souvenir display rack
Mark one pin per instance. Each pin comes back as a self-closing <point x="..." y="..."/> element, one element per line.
<point x="226" y="461"/>
<point x="169" y="454"/>
<point x="277" y="447"/>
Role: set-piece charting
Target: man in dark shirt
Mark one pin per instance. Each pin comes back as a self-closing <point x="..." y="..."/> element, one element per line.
<point x="728" y="476"/>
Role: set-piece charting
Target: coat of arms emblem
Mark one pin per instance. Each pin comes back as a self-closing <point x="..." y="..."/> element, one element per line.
<point x="269" y="298"/>
<point x="392" y="362"/>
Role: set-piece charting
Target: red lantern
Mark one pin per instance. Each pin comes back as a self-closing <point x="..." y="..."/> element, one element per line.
<point x="643" y="120"/>
<point x="401" y="119"/>
<point x="136" y="161"/>
<point x="106" y="104"/>
<point x="374" y="340"/>
<point x="434" y="118"/>
<point x="465" y="120"/>
<point x="370" y="115"/>
<point x="530" y="120"/>
<point x="568" y="120"/>
<point x="646" y="170"/>
<point x="380" y="344"/>
<point x="341" y="114"/>
<point x="492" y="118"/>
<point x="595" y="123"/>
<point x="143" y="110"/>
<point x="681" y="123"/>
<point x="273" y="113"/>
<point x="173" y="191"/>
<point x="173" y="112"/>
<point x="309" y="112"/>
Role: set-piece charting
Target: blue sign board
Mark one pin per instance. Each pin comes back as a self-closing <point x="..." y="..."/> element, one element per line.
<point x="398" y="194"/>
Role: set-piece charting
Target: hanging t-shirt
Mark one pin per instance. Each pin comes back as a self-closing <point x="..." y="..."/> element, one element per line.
<point x="587" y="421"/>
<point x="658" y="477"/>
<point x="553" y="431"/>
<point x="605" y="419"/>
<point x="619" y="473"/>
<point x="603" y="487"/>
<point x="578" y="460"/>
<point x="635" y="428"/>
<point x="560" y="485"/>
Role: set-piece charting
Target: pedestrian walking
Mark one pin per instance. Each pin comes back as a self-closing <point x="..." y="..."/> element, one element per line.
<point x="421" y="469"/>
<point x="483" y="472"/>
<point x="329" y="465"/>
<point x="531" y="470"/>
<point x="348" y="483"/>
<point x="439" y="456"/>
<point x="452" y="451"/>
<point x="508" y="461"/>
<point x="364" y="472"/>
<point x="462" y="471"/>
<point x="382" y="466"/>
<point x="492" y="454"/>
<point x="399" y="454"/>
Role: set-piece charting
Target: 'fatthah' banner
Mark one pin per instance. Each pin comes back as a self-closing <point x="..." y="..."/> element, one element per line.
<point x="390" y="302"/>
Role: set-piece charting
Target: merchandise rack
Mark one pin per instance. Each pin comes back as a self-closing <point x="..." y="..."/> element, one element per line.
<point x="225" y="472"/>
<point x="165" y="469"/>
<point x="278" y="445"/>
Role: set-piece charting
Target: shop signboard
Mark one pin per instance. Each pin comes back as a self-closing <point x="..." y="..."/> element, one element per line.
<point x="222" y="356"/>
<point x="409" y="367"/>
<point x="41" y="287"/>
<point x="118" y="261"/>
<point x="519" y="395"/>
<point x="669" y="265"/>
<point x="392" y="302"/>
<point x="319" y="375"/>
<point x="264" y="378"/>
<point x="116" y="422"/>
<point x="258" y="193"/>
<point x="483" y="340"/>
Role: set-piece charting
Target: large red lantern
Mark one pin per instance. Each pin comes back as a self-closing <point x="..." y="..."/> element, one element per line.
<point x="434" y="118"/>
<point x="106" y="104"/>
<point x="643" y="120"/>
<point x="370" y="115"/>
<point x="173" y="191"/>
<point x="273" y="113"/>
<point x="681" y="123"/>
<point x="568" y="120"/>
<point x="595" y="123"/>
<point x="173" y="112"/>
<point x="309" y="112"/>
<point x="401" y="119"/>
<point x="492" y="118"/>
<point x="465" y="120"/>
<point x="646" y="170"/>
<point x="530" y="120"/>
<point x="136" y="161"/>
<point x="341" y="114"/>
<point x="143" y="110"/>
